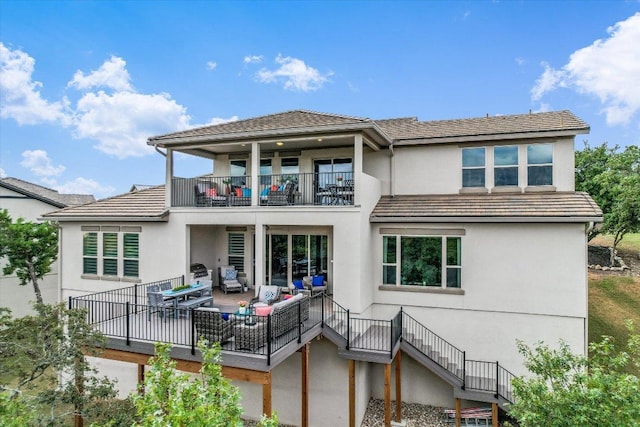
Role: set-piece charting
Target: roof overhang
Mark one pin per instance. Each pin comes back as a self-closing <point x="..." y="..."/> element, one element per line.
<point x="491" y="137"/>
<point x="88" y="218"/>
<point x="32" y="195"/>
<point x="486" y="219"/>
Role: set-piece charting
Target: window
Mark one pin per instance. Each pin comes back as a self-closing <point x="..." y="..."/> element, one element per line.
<point x="540" y="164"/>
<point x="265" y="171"/>
<point x="505" y="160"/>
<point x="328" y="171"/>
<point x="290" y="166"/>
<point x="236" y="250"/>
<point x="90" y="253"/>
<point x="111" y="252"/>
<point x="473" y="161"/>
<point x="238" y="169"/>
<point x="422" y="261"/>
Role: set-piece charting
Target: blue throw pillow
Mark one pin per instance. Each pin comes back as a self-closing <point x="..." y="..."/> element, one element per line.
<point x="246" y="192"/>
<point x="298" y="284"/>
<point x="231" y="275"/>
<point x="317" y="281"/>
<point x="265" y="192"/>
<point x="225" y="316"/>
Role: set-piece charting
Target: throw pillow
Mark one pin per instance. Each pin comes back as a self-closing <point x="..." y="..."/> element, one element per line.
<point x="317" y="281"/>
<point x="298" y="284"/>
<point x="288" y="296"/>
<point x="239" y="192"/>
<point x="265" y="192"/>
<point x="269" y="295"/>
<point x="212" y="192"/>
<point x="246" y="192"/>
<point x="274" y="187"/>
<point x="263" y="311"/>
<point x="231" y="274"/>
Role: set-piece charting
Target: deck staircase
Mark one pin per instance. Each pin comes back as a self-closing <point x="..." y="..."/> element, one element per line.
<point x="374" y="340"/>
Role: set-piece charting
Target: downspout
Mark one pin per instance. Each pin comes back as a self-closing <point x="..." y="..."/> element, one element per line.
<point x="588" y="229"/>
<point x="392" y="163"/>
<point x="158" y="150"/>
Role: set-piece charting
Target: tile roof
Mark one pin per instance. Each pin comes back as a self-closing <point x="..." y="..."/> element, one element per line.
<point x="411" y="128"/>
<point x="143" y="205"/>
<point x="552" y="207"/>
<point x="285" y="120"/>
<point x="45" y="194"/>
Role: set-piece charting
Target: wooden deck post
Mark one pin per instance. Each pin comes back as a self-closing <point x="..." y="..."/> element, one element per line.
<point x="458" y="414"/>
<point x="305" y="385"/>
<point x="387" y="395"/>
<point x="266" y="395"/>
<point x="141" y="378"/>
<point x="398" y="388"/>
<point x="494" y="414"/>
<point x="352" y="393"/>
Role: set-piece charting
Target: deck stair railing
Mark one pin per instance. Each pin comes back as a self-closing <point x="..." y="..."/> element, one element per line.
<point x="433" y="346"/>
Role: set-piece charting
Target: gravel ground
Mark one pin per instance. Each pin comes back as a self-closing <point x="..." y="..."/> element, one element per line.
<point x="414" y="414"/>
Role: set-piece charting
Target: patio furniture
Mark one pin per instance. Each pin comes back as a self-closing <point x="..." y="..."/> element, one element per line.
<point x="284" y="314"/>
<point x="267" y="295"/>
<point x="281" y="197"/>
<point x="207" y="194"/>
<point x="297" y="286"/>
<point x="156" y="303"/>
<point x="165" y="286"/>
<point x="228" y="276"/>
<point x="249" y="337"/>
<point x="212" y="326"/>
<point x="315" y="283"/>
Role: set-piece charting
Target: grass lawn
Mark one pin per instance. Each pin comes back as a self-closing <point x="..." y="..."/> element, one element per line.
<point x="614" y="298"/>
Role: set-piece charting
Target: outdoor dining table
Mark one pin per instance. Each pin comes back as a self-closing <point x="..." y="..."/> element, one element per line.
<point x="182" y="293"/>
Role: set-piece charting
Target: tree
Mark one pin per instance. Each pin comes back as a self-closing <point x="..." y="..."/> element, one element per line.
<point x="171" y="398"/>
<point x="571" y="390"/>
<point x="612" y="178"/>
<point x="44" y="356"/>
<point x="30" y="249"/>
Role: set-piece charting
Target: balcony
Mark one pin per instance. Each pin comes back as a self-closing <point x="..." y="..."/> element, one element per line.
<point x="301" y="189"/>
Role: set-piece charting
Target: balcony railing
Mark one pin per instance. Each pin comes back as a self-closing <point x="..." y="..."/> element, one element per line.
<point x="316" y="189"/>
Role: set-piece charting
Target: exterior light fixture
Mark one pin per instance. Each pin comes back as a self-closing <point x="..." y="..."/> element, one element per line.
<point x="279" y="143"/>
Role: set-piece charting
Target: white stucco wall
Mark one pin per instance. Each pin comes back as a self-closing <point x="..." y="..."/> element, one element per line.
<point x="520" y="281"/>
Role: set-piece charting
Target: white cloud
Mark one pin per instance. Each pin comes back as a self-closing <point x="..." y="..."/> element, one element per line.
<point x="211" y="65"/>
<point x="20" y="97"/>
<point x="608" y="69"/>
<point x="3" y="174"/>
<point x="112" y="74"/>
<point x="39" y="163"/>
<point x="82" y="186"/>
<point x="520" y="61"/>
<point x="253" y="59"/>
<point x="122" y="122"/>
<point x="295" y="73"/>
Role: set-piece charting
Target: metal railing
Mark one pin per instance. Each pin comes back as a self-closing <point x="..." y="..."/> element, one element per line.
<point x="436" y="348"/>
<point x="122" y="314"/>
<point x="323" y="188"/>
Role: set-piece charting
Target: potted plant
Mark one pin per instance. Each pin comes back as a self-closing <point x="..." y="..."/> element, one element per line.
<point x="339" y="179"/>
<point x="242" y="307"/>
<point x="227" y="182"/>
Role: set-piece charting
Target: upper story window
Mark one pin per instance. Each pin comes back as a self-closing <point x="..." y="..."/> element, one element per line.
<point x="290" y="166"/>
<point x="473" y="165"/>
<point x="111" y="252"/>
<point x="265" y="171"/>
<point x="540" y="164"/>
<point x="434" y="261"/>
<point x="505" y="162"/>
<point x="238" y="171"/>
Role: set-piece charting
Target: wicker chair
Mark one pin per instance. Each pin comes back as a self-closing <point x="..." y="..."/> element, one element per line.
<point x="211" y="325"/>
<point x="284" y="315"/>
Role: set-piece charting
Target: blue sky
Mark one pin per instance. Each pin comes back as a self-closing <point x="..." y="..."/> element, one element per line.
<point x="84" y="83"/>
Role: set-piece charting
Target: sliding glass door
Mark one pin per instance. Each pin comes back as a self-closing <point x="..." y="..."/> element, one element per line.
<point x="293" y="256"/>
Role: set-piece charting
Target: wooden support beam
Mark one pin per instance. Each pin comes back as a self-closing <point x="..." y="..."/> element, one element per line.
<point x="266" y="397"/>
<point x="352" y="393"/>
<point x="141" y="378"/>
<point x="305" y="385"/>
<point x="387" y="395"/>
<point x="458" y="414"/>
<point x="494" y="414"/>
<point x="398" y="388"/>
<point x="239" y="374"/>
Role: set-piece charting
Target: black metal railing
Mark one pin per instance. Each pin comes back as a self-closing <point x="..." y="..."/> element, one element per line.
<point x="433" y="346"/>
<point x="323" y="188"/>
<point x="122" y="314"/>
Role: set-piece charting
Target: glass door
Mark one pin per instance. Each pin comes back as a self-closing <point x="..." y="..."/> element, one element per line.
<point x="277" y="259"/>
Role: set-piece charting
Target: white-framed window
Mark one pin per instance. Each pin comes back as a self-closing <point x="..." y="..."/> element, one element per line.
<point x="413" y="260"/>
<point x="505" y="165"/>
<point x="473" y="167"/>
<point x="111" y="251"/>
<point x="540" y="164"/>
